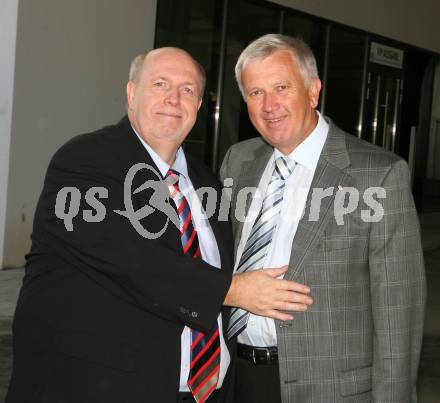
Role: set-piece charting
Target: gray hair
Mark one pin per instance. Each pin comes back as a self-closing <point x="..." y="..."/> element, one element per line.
<point x="138" y="62"/>
<point x="268" y="44"/>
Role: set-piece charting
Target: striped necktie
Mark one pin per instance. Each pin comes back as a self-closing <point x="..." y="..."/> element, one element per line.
<point x="205" y="347"/>
<point x="261" y="234"/>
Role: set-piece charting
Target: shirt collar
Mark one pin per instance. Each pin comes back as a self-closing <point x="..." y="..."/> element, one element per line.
<point x="308" y="152"/>
<point x="179" y="165"/>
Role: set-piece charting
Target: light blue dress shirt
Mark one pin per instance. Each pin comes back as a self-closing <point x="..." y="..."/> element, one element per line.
<point x="209" y="251"/>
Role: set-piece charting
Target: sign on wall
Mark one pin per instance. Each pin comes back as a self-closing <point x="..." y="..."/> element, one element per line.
<point x="386" y="55"/>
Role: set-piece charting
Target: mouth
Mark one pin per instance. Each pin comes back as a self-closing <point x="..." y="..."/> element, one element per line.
<point x="274" y="121"/>
<point x="169" y="115"/>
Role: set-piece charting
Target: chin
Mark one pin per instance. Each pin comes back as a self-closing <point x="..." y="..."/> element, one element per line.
<point x="166" y="132"/>
<point x="274" y="140"/>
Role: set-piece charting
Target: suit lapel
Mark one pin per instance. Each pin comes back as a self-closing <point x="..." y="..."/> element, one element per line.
<point x="329" y="173"/>
<point x="249" y="176"/>
<point x="198" y="181"/>
<point x="133" y="152"/>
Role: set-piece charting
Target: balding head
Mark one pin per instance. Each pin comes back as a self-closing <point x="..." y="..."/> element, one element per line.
<point x="137" y="64"/>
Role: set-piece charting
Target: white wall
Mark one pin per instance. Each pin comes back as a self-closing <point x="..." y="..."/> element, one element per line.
<point x="8" y="24"/>
<point x="415" y="22"/>
<point x="72" y="60"/>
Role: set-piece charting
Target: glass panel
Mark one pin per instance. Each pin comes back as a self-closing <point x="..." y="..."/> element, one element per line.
<point x="246" y="22"/>
<point x="195" y="25"/>
<point x="309" y="31"/>
<point x="344" y="80"/>
<point x="382" y="109"/>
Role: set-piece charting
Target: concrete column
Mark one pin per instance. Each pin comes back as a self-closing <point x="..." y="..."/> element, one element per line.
<point x="8" y="31"/>
<point x="71" y="67"/>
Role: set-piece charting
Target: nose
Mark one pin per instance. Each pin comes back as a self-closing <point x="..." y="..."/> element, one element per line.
<point x="269" y="102"/>
<point x="172" y="96"/>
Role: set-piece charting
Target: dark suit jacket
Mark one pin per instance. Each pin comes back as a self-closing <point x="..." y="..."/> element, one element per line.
<point x="102" y="309"/>
<point x="360" y="341"/>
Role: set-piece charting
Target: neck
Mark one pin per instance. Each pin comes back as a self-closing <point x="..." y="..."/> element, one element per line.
<point x="165" y="150"/>
<point x="169" y="156"/>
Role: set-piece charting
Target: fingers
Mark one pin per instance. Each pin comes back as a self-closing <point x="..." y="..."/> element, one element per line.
<point x="287" y="284"/>
<point x="276" y="272"/>
<point x="262" y="293"/>
<point x="291" y="301"/>
<point x="290" y="297"/>
<point x="274" y="314"/>
<point x="290" y="285"/>
<point x="295" y="307"/>
<point x="273" y="298"/>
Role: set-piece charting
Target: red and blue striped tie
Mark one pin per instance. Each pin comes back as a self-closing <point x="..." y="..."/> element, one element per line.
<point x="205" y="347"/>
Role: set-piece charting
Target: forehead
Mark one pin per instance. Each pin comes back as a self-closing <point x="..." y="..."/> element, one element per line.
<point x="280" y="63"/>
<point x="172" y="65"/>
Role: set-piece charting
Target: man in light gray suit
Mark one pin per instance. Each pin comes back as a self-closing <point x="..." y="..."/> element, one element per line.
<point x="339" y="212"/>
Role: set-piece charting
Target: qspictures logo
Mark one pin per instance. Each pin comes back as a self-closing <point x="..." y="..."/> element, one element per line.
<point x="247" y="205"/>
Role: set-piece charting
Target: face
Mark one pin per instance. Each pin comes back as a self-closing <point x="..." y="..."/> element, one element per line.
<point x="163" y="103"/>
<point x="280" y="106"/>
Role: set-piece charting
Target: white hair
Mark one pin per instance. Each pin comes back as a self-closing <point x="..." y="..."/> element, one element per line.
<point x="268" y="44"/>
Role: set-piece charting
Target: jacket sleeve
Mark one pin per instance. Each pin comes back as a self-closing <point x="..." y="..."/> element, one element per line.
<point x="152" y="274"/>
<point x="398" y="291"/>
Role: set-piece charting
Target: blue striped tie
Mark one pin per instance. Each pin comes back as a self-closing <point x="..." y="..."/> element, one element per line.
<point x="259" y="239"/>
<point x="205" y="347"/>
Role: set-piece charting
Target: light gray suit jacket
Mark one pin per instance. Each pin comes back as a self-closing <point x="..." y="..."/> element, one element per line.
<point x="360" y="341"/>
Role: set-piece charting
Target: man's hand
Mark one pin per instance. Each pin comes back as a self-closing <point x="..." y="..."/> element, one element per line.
<point x="262" y="293"/>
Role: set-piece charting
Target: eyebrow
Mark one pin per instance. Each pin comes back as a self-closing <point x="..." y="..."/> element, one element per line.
<point x="187" y="83"/>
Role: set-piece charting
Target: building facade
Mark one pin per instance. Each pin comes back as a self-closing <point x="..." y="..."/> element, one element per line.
<point x="66" y="64"/>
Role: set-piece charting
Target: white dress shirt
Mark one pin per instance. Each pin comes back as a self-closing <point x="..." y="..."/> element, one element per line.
<point x="260" y="331"/>
<point x="209" y="251"/>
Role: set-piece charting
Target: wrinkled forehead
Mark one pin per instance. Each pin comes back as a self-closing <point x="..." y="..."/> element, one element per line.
<point x="275" y="56"/>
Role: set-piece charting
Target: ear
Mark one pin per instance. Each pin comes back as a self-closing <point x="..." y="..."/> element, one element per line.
<point x="130" y="93"/>
<point x="314" y="90"/>
<point x="200" y="104"/>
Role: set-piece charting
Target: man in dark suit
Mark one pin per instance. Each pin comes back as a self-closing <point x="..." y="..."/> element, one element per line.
<point x="357" y="245"/>
<point x="121" y="300"/>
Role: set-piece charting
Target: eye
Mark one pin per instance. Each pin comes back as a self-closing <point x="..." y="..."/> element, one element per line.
<point x="255" y="93"/>
<point x="282" y="87"/>
<point x="159" y="84"/>
<point x="188" y="90"/>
